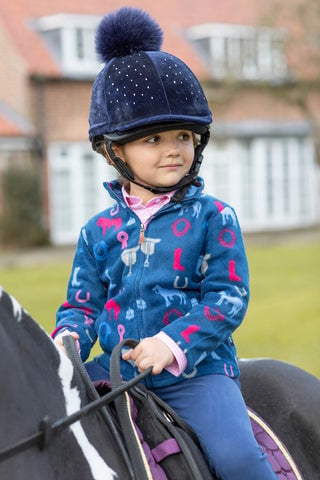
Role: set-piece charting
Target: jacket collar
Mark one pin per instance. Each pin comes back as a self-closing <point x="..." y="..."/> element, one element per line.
<point x="114" y="188"/>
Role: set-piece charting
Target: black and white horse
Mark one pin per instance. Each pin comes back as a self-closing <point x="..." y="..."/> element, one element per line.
<point x="37" y="381"/>
<point x="39" y="386"/>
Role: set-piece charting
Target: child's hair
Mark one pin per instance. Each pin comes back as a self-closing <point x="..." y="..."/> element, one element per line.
<point x="143" y="90"/>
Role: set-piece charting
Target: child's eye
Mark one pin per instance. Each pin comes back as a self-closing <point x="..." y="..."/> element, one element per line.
<point x="153" y="139"/>
<point x="185" y="136"/>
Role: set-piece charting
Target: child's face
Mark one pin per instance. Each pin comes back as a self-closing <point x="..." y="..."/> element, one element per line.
<point x="161" y="159"/>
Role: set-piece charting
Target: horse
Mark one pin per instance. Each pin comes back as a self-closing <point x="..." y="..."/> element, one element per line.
<point x="288" y="399"/>
<point x="37" y="382"/>
<point x="40" y="388"/>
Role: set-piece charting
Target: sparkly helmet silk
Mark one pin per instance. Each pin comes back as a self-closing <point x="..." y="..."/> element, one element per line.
<point x="141" y="89"/>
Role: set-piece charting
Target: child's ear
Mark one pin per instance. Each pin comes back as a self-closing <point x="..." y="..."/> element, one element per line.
<point x="118" y="151"/>
<point x="104" y="152"/>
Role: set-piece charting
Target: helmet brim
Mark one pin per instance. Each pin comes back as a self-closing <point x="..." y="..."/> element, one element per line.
<point x="146" y="130"/>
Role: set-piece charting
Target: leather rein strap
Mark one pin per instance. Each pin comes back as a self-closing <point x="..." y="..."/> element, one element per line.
<point x="122" y="404"/>
<point x="47" y="429"/>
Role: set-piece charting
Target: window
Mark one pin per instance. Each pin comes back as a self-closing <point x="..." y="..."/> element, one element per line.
<point x="90" y="186"/>
<point x="70" y="39"/>
<point x="76" y="175"/>
<point x="62" y="210"/>
<point x="278" y="188"/>
<point x="241" y="52"/>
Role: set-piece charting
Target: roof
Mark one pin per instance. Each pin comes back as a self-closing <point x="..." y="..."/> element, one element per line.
<point x="8" y="129"/>
<point x="12" y="124"/>
<point x="174" y="16"/>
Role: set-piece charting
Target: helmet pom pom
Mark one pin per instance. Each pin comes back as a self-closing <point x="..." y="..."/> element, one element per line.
<point x="127" y="31"/>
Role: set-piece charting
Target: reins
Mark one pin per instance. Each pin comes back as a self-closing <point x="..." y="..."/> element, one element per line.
<point x="133" y="456"/>
<point x="47" y="428"/>
<point x="72" y="352"/>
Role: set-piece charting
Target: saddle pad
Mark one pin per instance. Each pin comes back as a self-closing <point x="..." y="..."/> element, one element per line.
<point x="279" y="457"/>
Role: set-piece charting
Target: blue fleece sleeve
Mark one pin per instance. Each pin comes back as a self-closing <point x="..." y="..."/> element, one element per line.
<point x="224" y="291"/>
<point x="85" y="298"/>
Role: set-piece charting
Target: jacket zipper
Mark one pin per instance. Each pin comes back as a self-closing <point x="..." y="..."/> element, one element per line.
<point x="141" y="235"/>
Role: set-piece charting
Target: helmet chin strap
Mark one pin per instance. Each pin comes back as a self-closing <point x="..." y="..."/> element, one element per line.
<point x="187" y="180"/>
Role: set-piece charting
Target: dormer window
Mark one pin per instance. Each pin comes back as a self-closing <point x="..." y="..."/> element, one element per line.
<point x="241" y="52"/>
<point x="70" y="39"/>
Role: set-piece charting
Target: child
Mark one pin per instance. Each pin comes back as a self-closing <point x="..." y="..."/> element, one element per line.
<point x="166" y="264"/>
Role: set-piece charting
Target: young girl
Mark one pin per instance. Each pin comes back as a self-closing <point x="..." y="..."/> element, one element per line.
<point x="166" y="264"/>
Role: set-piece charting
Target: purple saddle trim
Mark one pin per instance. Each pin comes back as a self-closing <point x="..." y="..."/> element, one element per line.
<point x="279" y="457"/>
<point x="167" y="447"/>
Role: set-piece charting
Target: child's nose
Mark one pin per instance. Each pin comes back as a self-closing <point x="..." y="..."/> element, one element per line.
<point x="173" y="148"/>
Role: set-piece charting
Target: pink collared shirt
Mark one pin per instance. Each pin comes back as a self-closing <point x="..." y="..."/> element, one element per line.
<point x="145" y="212"/>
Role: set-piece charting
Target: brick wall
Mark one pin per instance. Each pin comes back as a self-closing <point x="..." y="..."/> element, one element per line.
<point x="61" y="109"/>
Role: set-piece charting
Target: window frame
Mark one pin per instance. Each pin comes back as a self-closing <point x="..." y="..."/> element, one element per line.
<point x="69" y="28"/>
<point x="241" y="52"/>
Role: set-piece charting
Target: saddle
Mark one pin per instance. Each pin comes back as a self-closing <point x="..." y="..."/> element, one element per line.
<point x="279" y="457"/>
<point x="158" y="444"/>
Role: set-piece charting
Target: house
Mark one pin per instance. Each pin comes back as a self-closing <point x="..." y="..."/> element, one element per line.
<point x="263" y="90"/>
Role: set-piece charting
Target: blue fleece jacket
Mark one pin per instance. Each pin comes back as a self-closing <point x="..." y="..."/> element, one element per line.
<point x="185" y="272"/>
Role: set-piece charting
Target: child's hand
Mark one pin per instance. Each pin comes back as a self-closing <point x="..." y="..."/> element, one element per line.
<point x="59" y="343"/>
<point x="150" y="352"/>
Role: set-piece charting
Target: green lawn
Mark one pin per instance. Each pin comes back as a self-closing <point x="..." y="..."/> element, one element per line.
<point x="283" y="317"/>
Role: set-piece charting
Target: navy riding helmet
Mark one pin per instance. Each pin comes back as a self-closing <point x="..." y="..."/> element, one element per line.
<point x="143" y="90"/>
